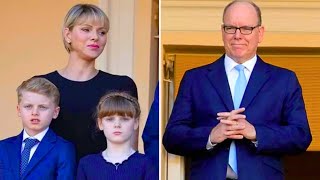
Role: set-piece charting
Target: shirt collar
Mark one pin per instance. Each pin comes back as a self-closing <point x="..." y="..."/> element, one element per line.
<point x="229" y="63"/>
<point x="39" y="136"/>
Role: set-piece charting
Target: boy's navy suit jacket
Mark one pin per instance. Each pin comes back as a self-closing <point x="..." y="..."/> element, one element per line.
<point x="53" y="159"/>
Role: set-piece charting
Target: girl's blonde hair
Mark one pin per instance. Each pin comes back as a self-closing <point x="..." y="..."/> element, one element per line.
<point x="81" y="13"/>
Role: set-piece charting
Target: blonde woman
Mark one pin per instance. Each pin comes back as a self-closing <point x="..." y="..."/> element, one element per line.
<point x="80" y="84"/>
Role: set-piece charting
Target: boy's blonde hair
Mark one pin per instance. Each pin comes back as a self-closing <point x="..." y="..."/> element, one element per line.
<point x="40" y="86"/>
<point x="81" y="13"/>
<point x="118" y="103"/>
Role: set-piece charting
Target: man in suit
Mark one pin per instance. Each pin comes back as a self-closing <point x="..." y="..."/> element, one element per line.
<point x="150" y="133"/>
<point x="37" y="152"/>
<point x="233" y="135"/>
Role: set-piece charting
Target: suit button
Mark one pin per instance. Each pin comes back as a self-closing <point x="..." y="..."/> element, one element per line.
<point x="228" y="148"/>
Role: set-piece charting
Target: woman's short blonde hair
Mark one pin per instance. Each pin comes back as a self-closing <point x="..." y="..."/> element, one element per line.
<point x="81" y="13"/>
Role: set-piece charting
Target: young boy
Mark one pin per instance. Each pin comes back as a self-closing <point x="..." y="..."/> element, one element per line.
<point x="37" y="152"/>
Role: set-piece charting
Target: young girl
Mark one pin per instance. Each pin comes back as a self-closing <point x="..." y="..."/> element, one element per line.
<point x="117" y="117"/>
<point x="81" y="85"/>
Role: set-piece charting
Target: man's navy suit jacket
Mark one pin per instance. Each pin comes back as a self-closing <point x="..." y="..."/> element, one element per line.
<point x="53" y="159"/>
<point x="150" y="133"/>
<point x="274" y="106"/>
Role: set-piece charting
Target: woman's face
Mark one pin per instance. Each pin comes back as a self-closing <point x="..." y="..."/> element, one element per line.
<point x="87" y="39"/>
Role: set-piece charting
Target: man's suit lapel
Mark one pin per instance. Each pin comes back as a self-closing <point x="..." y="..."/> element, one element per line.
<point x="258" y="78"/>
<point x="44" y="147"/>
<point x="14" y="154"/>
<point x="218" y="78"/>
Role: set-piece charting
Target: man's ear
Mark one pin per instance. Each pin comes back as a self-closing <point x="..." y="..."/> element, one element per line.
<point x="261" y="33"/>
